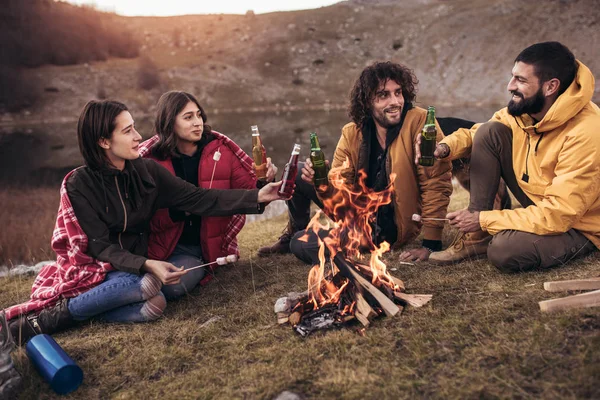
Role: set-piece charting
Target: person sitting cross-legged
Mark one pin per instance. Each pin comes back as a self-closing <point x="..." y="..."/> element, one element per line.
<point x="545" y="146"/>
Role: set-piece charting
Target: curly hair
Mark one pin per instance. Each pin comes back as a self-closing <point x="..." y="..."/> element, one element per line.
<point x="169" y="106"/>
<point x="372" y="77"/>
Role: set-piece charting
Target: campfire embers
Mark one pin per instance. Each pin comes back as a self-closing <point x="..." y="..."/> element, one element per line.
<point x="348" y="290"/>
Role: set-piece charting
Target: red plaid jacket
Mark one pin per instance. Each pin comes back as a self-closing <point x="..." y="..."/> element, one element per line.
<point x="73" y="273"/>
<point x="228" y="241"/>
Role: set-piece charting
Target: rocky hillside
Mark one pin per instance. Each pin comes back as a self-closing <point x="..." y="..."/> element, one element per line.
<point x="461" y="51"/>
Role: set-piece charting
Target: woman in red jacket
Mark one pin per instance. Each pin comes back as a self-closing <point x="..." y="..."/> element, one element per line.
<point x="191" y="150"/>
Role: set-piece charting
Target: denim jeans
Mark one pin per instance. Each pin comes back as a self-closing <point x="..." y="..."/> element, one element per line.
<point x="118" y="299"/>
<point x="185" y="256"/>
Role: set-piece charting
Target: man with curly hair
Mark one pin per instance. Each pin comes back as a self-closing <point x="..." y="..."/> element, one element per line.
<point x="379" y="141"/>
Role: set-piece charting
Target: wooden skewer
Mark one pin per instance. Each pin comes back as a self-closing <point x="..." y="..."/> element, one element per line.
<point x="230" y="257"/>
<point x="200" y="266"/>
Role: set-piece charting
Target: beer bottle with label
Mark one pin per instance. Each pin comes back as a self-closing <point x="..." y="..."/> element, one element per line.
<point x="318" y="161"/>
<point x="288" y="177"/>
<point x="428" y="139"/>
<point x="259" y="154"/>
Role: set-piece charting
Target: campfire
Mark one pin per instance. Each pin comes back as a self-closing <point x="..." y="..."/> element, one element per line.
<point x="344" y="287"/>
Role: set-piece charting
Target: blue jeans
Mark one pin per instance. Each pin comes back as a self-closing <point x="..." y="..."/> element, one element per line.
<point x="185" y="256"/>
<point x="118" y="299"/>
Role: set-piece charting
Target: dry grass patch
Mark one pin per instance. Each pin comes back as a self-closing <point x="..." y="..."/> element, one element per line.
<point x="27" y="218"/>
<point x="482" y="336"/>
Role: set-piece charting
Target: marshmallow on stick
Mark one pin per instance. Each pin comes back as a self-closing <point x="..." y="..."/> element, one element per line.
<point x="418" y="218"/>
<point x="220" y="261"/>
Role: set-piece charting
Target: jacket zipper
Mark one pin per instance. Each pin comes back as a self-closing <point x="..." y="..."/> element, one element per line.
<point x="525" y="177"/>
<point x="124" y="211"/>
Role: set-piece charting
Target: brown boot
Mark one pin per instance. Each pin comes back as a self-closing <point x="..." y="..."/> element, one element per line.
<point x="465" y="246"/>
<point x="282" y="246"/>
<point x="48" y="321"/>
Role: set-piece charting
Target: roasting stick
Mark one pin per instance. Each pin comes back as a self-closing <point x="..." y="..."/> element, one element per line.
<point x="418" y="218"/>
<point x="220" y="261"/>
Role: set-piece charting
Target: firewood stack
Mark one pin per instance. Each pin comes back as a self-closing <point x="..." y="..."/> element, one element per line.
<point x="358" y="300"/>
<point x="349" y="290"/>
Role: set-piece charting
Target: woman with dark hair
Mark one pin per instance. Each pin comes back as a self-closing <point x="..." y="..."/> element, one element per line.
<point x="188" y="147"/>
<point x="102" y="229"/>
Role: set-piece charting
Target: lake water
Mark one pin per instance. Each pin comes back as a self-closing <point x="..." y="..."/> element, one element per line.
<point x="40" y="155"/>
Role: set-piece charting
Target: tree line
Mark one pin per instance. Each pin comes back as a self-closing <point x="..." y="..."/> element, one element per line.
<point x="39" y="32"/>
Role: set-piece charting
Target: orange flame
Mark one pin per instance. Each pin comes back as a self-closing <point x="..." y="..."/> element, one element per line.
<point x="352" y="207"/>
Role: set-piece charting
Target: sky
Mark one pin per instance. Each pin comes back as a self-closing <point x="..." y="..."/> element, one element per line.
<point x="183" y="7"/>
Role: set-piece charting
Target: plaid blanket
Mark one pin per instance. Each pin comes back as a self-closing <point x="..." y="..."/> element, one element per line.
<point x="73" y="273"/>
<point x="230" y="245"/>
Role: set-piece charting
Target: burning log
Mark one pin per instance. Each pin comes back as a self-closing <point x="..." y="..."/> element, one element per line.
<point x="364" y="312"/>
<point x="367" y="272"/>
<point x="349" y="272"/>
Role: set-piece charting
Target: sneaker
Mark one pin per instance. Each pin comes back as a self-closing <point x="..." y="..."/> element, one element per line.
<point x="282" y="246"/>
<point x="465" y="246"/>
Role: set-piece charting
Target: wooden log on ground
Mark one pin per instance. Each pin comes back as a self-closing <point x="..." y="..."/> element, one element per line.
<point x="349" y="272"/>
<point x="282" y="317"/>
<point x="591" y="299"/>
<point x="415" y="300"/>
<point x="575" y="284"/>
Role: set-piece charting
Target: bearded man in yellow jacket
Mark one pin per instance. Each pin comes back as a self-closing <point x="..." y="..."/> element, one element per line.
<point x="380" y="142"/>
<point x="545" y="145"/>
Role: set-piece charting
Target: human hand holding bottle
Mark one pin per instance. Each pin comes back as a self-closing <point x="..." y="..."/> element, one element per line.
<point x="308" y="173"/>
<point x="441" y="150"/>
<point x="270" y="193"/>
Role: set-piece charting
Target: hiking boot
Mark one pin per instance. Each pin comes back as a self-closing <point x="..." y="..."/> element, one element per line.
<point x="465" y="246"/>
<point x="48" y="321"/>
<point x="282" y="246"/>
<point x="10" y="380"/>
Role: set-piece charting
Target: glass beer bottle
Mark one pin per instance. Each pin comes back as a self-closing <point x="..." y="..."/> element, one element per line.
<point x="259" y="155"/>
<point x="289" y="173"/>
<point x="428" y="139"/>
<point x="318" y="161"/>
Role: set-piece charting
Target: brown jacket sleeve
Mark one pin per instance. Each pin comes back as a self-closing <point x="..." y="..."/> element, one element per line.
<point x="435" y="184"/>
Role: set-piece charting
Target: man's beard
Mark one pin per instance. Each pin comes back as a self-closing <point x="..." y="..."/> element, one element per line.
<point x="382" y="121"/>
<point x="532" y="105"/>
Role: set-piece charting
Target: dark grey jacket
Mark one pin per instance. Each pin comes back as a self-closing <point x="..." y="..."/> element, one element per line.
<point x="114" y="207"/>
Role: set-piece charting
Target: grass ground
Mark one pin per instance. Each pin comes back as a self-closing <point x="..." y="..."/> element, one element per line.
<point x="482" y="336"/>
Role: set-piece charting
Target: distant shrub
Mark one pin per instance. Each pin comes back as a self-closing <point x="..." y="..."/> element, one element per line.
<point x="148" y="74"/>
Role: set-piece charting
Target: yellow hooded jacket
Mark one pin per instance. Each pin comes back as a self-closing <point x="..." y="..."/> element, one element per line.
<point x="561" y="156"/>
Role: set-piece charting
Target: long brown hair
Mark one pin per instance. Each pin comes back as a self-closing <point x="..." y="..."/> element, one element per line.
<point x="365" y="87"/>
<point x="169" y="106"/>
<point x="97" y="121"/>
